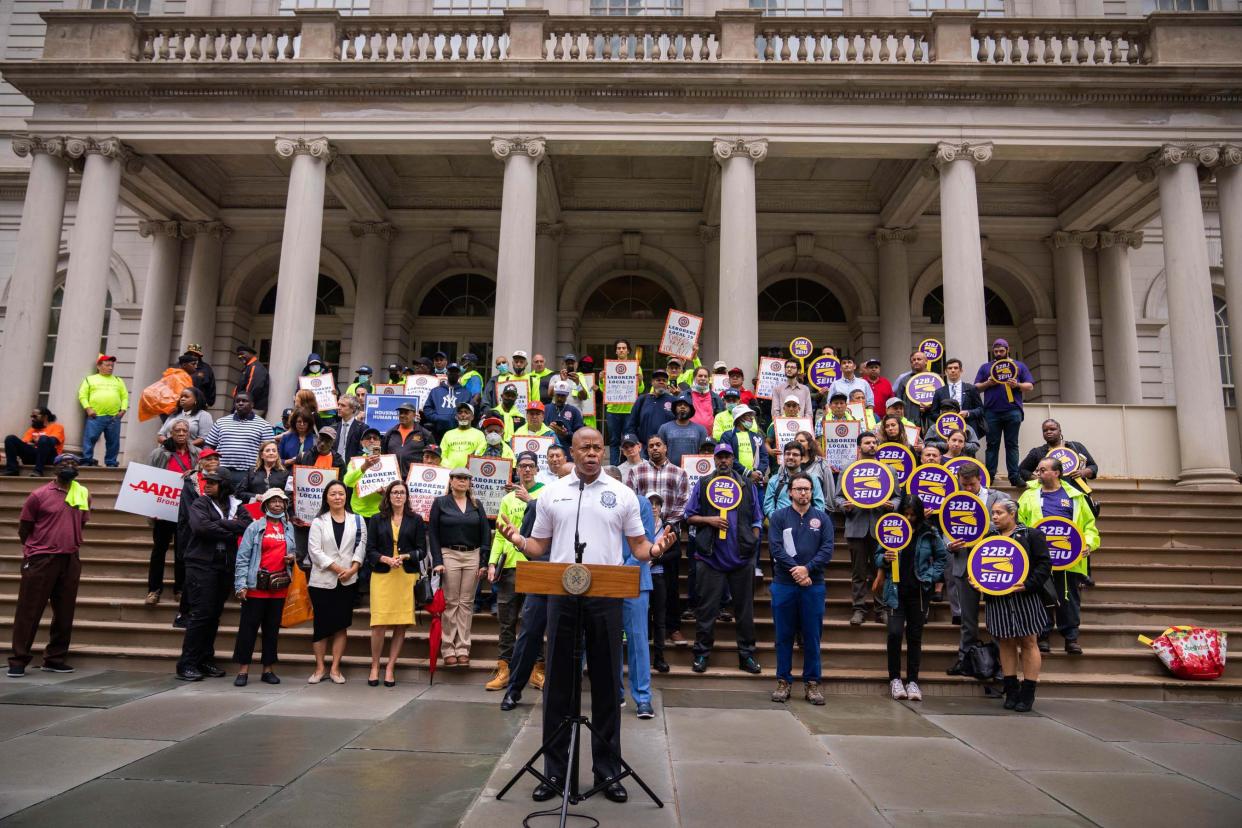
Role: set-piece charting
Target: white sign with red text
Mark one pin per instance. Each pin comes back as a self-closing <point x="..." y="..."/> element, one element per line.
<point x="150" y="492"/>
<point x="620" y="381"/>
<point x="681" y="334"/>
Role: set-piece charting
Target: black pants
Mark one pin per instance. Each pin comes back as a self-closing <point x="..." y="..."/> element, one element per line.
<point x="601" y="624"/>
<point x="1069" y="611"/>
<point x="862" y="572"/>
<point x="711" y="586"/>
<point x="256" y="614"/>
<point x="508" y="610"/>
<point x="163" y="534"/>
<point x="43" y="453"/>
<point x="909" y="616"/>
<point x="672" y="591"/>
<point x="659" y="617"/>
<point x="529" y="647"/>
<point x="208" y="587"/>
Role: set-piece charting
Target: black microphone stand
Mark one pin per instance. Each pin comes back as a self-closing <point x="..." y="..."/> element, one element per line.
<point x="575" y="721"/>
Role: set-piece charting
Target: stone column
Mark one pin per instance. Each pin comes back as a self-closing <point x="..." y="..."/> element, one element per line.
<point x="1069" y="276"/>
<point x="1229" y="195"/>
<point x="156" y="325"/>
<point x="709" y="344"/>
<point x="547" y="283"/>
<point x="894" y="279"/>
<point x="1123" y="384"/>
<point x="515" y="271"/>
<point x="86" y="282"/>
<point x="965" y="322"/>
<point x="293" y="325"/>
<point x="202" y="295"/>
<point x="1201" y="431"/>
<point x="367" y="336"/>
<point x="739" y="263"/>
<point x="33" y="281"/>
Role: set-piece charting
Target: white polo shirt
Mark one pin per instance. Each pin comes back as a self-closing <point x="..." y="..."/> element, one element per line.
<point x="610" y="514"/>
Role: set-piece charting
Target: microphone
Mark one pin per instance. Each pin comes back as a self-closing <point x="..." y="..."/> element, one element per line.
<point x="579" y="546"/>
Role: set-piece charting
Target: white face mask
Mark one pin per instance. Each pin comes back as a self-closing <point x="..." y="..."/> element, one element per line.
<point x="493" y="439"/>
<point x="700" y="387"/>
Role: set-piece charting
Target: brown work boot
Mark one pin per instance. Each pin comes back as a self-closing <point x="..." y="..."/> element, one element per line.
<point x="500" y="678"/>
<point x="536" y="676"/>
<point x="813" y="694"/>
<point x="781" y="693"/>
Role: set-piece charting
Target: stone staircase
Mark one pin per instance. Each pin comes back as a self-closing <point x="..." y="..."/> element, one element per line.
<point x="1169" y="557"/>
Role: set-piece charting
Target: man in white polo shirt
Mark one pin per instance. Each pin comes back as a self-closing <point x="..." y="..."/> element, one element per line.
<point x="601" y="513"/>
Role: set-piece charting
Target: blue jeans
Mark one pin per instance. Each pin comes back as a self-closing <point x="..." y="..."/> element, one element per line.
<point x="798" y="608"/>
<point x="109" y="428"/>
<point x="616" y="428"/>
<point x="1003" y="425"/>
<point x="529" y="647"/>
<point x="638" y="657"/>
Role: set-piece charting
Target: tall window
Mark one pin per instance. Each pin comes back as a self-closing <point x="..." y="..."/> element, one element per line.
<point x="475" y="6"/>
<point x="53" y="329"/>
<point x="799" y="300"/>
<point x="465" y="294"/>
<point x="636" y="8"/>
<point x="800" y="8"/>
<point x="136" y="6"/>
<point x="1222" y="347"/>
<point x="986" y="8"/>
<point x="994" y="308"/>
<point x="629" y="297"/>
<point x="1176" y="5"/>
<point x="345" y="7"/>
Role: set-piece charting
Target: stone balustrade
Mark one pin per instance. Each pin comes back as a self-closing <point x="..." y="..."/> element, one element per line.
<point x="736" y="36"/>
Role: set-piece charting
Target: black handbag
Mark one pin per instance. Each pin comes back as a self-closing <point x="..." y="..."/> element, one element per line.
<point x="983" y="661"/>
<point x="423" y="593"/>
<point x="272" y="581"/>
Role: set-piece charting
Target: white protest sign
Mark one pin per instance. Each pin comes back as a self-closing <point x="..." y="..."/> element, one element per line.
<point x="771" y="375"/>
<point x="539" y="445"/>
<point x="720" y="382"/>
<point x="787" y="428"/>
<point x="520" y="386"/>
<point x="388" y="389"/>
<point x="620" y="381"/>
<point x="587" y="406"/>
<point x="308" y="485"/>
<point x="324" y="389"/>
<point x="841" y="442"/>
<point x="491" y="477"/>
<point x="426" y="483"/>
<point x="377" y="478"/>
<point x="681" y="334"/>
<point x="420" y="385"/>
<point x="857" y="410"/>
<point x="151" y="492"/>
<point x="696" y="466"/>
<point x="912" y="435"/>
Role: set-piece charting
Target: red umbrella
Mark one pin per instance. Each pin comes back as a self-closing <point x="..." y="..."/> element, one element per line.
<point x="433" y="636"/>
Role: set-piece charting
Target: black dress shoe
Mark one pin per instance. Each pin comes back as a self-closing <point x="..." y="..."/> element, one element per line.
<point x="269" y="678"/>
<point x="956" y="669"/>
<point x="616" y="793"/>
<point x="372" y="682"/>
<point x="700" y="664"/>
<point x="241" y="679"/>
<point x="509" y="702"/>
<point x="543" y="793"/>
<point x="388" y="683"/>
<point x="1073" y="648"/>
<point x="189" y="674"/>
<point x="1044" y="647"/>
<point x="749" y="665"/>
<point x="661" y="666"/>
<point x="210" y="670"/>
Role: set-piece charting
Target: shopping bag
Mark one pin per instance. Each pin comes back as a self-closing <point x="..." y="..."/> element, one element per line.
<point x="297" y="602"/>
<point x="160" y="397"/>
<point x="1196" y="653"/>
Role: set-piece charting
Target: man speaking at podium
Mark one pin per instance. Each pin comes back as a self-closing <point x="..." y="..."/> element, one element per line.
<point x="598" y="511"/>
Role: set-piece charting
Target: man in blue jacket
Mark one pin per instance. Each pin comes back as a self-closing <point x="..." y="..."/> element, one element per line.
<point x="653" y="409"/>
<point x="800" y="539"/>
<point x="440" y="409"/>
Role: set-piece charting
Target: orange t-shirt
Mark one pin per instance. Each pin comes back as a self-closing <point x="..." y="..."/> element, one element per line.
<point x="404" y="432"/>
<point x="323" y="461"/>
<point x="50" y="430"/>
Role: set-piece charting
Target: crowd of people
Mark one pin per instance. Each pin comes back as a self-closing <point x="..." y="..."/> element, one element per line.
<point x="237" y="536"/>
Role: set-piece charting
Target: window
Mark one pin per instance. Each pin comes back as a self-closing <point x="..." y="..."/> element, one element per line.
<point x="329" y="351"/>
<point x="799" y="300"/>
<point x="800" y="8"/>
<point x="465" y="294"/>
<point x="136" y="6"/>
<point x="1176" y="5"/>
<point x="1222" y="347"/>
<point x="460" y="7"/>
<point x="629" y="297"/>
<point x="636" y="8"/>
<point x="994" y="308"/>
<point x="986" y="8"/>
<point x="345" y="7"/>
<point x="53" y="327"/>
<point x="328" y="297"/>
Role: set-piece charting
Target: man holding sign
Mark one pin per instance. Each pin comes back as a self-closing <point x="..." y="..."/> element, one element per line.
<point x="1003" y="381"/>
<point x="724" y="509"/>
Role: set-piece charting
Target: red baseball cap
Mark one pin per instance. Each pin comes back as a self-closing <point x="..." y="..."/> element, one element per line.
<point x="105" y="358"/>
<point x="493" y="421"/>
<point x="737" y="371"/>
<point x="534" y="405"/>
<point x="208" y="452"/>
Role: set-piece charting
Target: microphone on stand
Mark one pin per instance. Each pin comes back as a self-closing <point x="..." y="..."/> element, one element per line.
<point x="579" y="546"/>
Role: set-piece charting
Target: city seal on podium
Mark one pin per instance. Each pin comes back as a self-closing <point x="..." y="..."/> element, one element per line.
<point x="576" y="579"/>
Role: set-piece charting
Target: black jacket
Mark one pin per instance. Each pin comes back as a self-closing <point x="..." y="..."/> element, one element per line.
<point x="353" y="442"/>
<point x="410" y="451"/>
<point x="258" y="481"/>
<point x="972" y="405"/>
<point x="205" y="380"/>
<point x="411" y="540"/>
<point x="213" y="538"/>
<point x="254" y="381"/>
<point x="1026" y="470"/>
<point x="445" y="503"/>
<point x="1036" y="546"/>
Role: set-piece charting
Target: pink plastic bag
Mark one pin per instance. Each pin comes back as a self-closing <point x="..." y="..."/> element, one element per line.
<point x="1196" y="653"/>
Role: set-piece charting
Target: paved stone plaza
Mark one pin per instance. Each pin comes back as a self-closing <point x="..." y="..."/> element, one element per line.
<point x="110" y="747"/>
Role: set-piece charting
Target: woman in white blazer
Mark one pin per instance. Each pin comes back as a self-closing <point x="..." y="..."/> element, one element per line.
<point x="337" y="548"/>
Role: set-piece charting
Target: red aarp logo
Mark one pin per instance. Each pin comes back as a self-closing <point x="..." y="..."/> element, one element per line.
<point x="156" y="489"/>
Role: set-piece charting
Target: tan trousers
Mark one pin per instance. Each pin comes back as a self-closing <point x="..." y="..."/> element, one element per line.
<point x="461" y="576"/>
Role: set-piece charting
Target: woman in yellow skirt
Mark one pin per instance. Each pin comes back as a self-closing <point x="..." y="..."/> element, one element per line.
<point x="396" y="540"/>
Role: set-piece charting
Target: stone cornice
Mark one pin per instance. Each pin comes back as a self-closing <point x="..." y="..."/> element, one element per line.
<point x="754" y="148"/>
<point x="533" y="147"/>
<point x="383" y="229"/>
<point x="1073" y="238"/>
<point x="1121" y="238"/>
<point x="54" y="145"/>
<point x="947" y="153"/>
<point x="894" y="235"/>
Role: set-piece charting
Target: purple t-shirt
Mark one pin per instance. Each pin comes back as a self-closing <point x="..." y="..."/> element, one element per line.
<point x="995" y="398"/>
<point x="1056" y="504"/>
<point x="57" y="525"/>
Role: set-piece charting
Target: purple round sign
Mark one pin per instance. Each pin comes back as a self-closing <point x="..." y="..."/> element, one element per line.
<point x="998" y="566"/>
<point x="931" y="484"/>
<point x="1066" y="544"/>
<point x="898" y="458"/>
<point x="867" y="483"/>
<point x="823" y="372"/>
<point x="949" y="422"/>
<point x="724" y="493"/>
<point x="964" y="517"/>
<point x="893" y="532"/>
<point x="922" y="388"/>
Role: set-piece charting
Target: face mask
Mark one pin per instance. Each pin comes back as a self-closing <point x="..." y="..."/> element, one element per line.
<point x="66" y="474"/>
<point x="314" y="367"/>
<point x="502" y="368"/>
<point x="700" y="387"/>
<point x="493" y="439"/>
<point x="274" y="515"/>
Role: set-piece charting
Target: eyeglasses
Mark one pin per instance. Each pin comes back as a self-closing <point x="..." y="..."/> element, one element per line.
<point x="806" y="489"/>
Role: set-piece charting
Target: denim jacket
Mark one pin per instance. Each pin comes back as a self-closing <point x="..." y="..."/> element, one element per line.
<point x="931" y="557"/>
<point x="250" y="552"/>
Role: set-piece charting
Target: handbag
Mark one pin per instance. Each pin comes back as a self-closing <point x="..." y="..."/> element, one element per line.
<point x="423" y="591"/>
<point x="297" y="608"/>
<point x="983" y="661"/>
<point x="272" y="581"/>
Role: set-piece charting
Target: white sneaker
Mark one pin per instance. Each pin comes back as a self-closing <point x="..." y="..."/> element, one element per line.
<point x="912" y="692"/>
<point x="897" y="689"/>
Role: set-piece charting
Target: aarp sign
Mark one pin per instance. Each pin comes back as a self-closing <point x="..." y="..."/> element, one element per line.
<point x="151" y="492"/>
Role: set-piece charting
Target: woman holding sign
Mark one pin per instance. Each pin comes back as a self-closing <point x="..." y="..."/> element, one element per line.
<point x="907" y="592"/>
<point x="1015" y="618"/>
<point x="396" y="542"/>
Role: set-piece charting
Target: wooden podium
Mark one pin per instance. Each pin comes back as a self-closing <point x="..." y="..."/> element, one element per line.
<point x="540" y="578"/>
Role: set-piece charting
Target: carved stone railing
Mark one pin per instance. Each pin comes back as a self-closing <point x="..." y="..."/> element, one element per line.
<point x="736" y="36"/>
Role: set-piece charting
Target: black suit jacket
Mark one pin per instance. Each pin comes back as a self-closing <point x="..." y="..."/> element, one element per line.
<point x="972" y="405"/>
<point x="411" y="540"/>
<point x="353" y="444"/>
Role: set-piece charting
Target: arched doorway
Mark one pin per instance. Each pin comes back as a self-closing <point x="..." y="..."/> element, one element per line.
<point x="630" y="306"/>
<point x="801" y="306"/>
<point x="329" y="300"/>
<point x="454" y="315"/>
